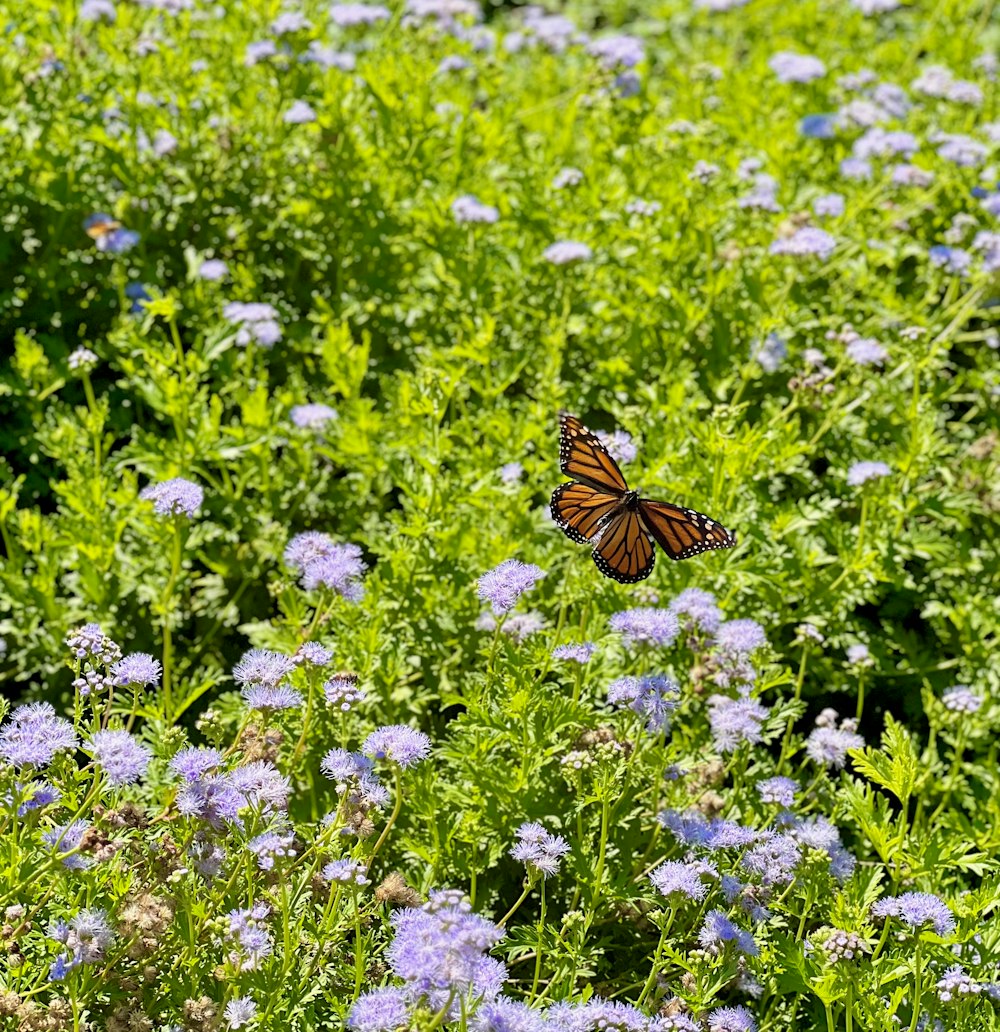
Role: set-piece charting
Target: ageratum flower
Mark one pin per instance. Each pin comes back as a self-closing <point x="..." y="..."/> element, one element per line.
<point x="917" y="909"/>
<point x="322" y="563"/>
<point x="779" y="790"/>
<point x="64" y="838"/>
<point x="861" y="472"/>
<point x="505" y="584"/>
<point x="829" y="205"/>
<point x="961" y="699"/>
<point x="90" y="641"/>
<point x="37" y="795"/>
<point x="262" y="667"/>
<point x="251" y="938"/>
<point x="735" y="721"/>
<point x="289" y="22"/>
<point x="379" y="1010"/>
<point x="697" y="611"/>
<point x="397" y="743"/>
<point x="97" y="10"/>
<point x="955" y="260"/>
<point x="770" y="352"/>
<point x="539" y="850"/>
<point x="694" y="829"/>
<point x="347" y="16"/>
<point x="468" y="209"/>
<point x="194" y="763"/>
<point x="719" y="931"/>
<point x="731" y="1019"/>
<point x="313" y="653"/>
<point x="818" y="127"/>
<point x="138" y="668"/>
<point x="567" y="252"/>
<point x="818" y="833"/>
<point x="213" y="270"/>
<point x="82" y="360"/>
<point x="346" y="872"/>
<point x="299" y="113"/>
<point x="120" y="756"/>
<point x="866" y="351"/>
<point x="673" y="878"/>
<point x="856" y="168"/>
<point x="840" y="946"/>
<point x="259" y="51"/>
<point x="518" y="626"/>
<point x="240" y="1012"/>
<point x="271" y="697"/>
<point x="577" y="652"/>
<point x="806" y="241"/>
<point x="619" y="445"/>
<point x="646" y="625"/>
<point x="653" y="697"/>
<point x="86" y="936"/>
<point x="504" y="1015"/>
<point x="957" y="985"/>
<point x="257" y="322"/>
<point x="511" y="472"/>
<point x="773" y="860"/>
<point x="791" y="67"/>
<point x="313" y="416"/>
<point x="176" y="497"/>
<point x="342" y="692"/>
<point x="961" y="150"/>
<point x="277" y="841"/>
<point x="33" y="735"/>
<point x="829" y="746"/>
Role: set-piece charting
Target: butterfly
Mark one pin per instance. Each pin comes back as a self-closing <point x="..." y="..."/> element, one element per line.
<point x="598" y="508"/>
<point x="98" y="226"/>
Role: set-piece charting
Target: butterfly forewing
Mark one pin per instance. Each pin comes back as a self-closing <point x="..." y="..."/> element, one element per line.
<point x="584" y="458"/>
<point x="682" y="532"/>
<point x="579" y="510"/>
<point x="624" y="550"/>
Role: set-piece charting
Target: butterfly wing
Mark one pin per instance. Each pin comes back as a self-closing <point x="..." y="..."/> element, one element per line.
<point x="624" y="550"/>
<point x="579" y="510"/>
<point x="682" y="532"/>
<point x="584" y="458"/>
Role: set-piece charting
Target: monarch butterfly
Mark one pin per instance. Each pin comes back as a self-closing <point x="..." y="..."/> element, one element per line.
<point x="598" y="508"/>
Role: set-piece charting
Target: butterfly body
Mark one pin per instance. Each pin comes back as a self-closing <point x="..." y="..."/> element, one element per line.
<point x="598" y="508"/>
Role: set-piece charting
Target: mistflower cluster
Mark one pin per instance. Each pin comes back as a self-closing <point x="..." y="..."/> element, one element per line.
<point x="840" y="946"/>
<point x="138" y="669"/>
<point x="539" y="850"/>
<point x="251" y="938"/>
<point x="731" y="1019"/>
<point x="257" y="322"/>
<point x="505" y="584"/>
<point x="82" y="360"/>
<point x="313" y="653"/>
<point x="313" y="416"/>
<point x="577" y="651"/>
<point x="360" y="789"/>
<point x="961" y="699"/>
<point x="763" y="195"/>
<point x="806" y="241"/>
<point x="86" y="936"/>
<point x="220" y="798"/>
<point x="469" y="209"/>
<point x="736" y="720"/>
<point x="770" y="352"/>
<point x="697" y="611"/>
<point x="673" y="878"/>
<point x="693" y="828"/>
<point x="176" y="497"/>
<point x="90" y="642"/>
<point x="567" y="177"/>
<point x="260" y="674"/>
<point x="734" y="643"/>
<point x="122" y="759"/>
<point x="322" y="563"/>
<point x="646" y="625"/>
<point x="719" y="932"/>
<point x="567" y="252"/>
<point x="619" y="445"/>
<point x="276" y="841"/>
<point x="109" y="235"/>
<point x="346" y="872"/>
<point x="511" y="472"/>
<point x="773" y="860"/>
<point x="652" y="697"/>
<point x="957" y="985"/>
<point x="917" y="909"/>
<point x="342" y="692"/>
<point x="828" y="744"/>
<point x="517" y="626"/>
<point x="299" y="113"/>
<point x="33" y="734"/>
<point x="66" y="838"/>
<point x="212" y="270"/>
<point x="861" y="472"/>
<point x="398" y="744"/>
<point x="779" y="790"/>
<point x="240" y="1011"/>
<point x="791" y="67"/>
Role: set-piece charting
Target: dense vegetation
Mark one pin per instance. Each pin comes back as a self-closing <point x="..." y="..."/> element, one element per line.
<point x="292" y="298"/>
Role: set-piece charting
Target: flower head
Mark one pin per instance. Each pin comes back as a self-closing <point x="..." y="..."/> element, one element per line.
<point x="917" y="909"/>
<point x="379" y="1010"/>
<point x="567" y="252"/>
<point x="718" y="932"/>
<point x="262" y="667"/>
<point x="240" y="1011"/>
<point x="120" y="756"/>
<point x="619" y="445"/>
<point x="961" y="699"/>
<point x="653" y="697"/>
<point x="791" y="67"/>
<point x="176" y="497"/>
<point x="731" y="1019"/>
<point x="646" y="625"/>
<point x="193" y="763"/>
<point x="861" y="472"/>
<point x="346" y="872"/>
<point x="469" y="209"/>
<point x="806" y="241"/>
<point x="780" y="790"/>
<point x="829" y="746"/>
<point x="299" y="113"/>
<point x="539" y="850"/>
<point x="398" y="743"/>
<point x="697" y="611"/>
<point x="213" y="270"/>
<point x="138" y="668"/>
<point x="34" y="734"/>
<point x="735" y="721"/>
<point x="505" y="584"/>
<point x="342" y="692"/>
<point x="681" y="879"/>
<point x="578" y="652"/>
<point x="323" y="563"/>
<point x="257" y="322"/>
<point x="271" y="697"/>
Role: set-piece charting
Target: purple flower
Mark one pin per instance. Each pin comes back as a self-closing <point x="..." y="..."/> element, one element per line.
<point x="718" y="932"/>
<point x="856" y="168"/>
<point x="176" y="497"/>
<point x="82" y="360"/>
<point x="398" y="743"/>
<point x="961" y="150"/>
<point x="468" y="209"/>
<point x="539" y="850"/>
<point x="380" y="1010"/>
<point x="36" y="795"/>
<point x="240" y="1011"/>
<point x="957" y="985"/>
<point x="829" y="205"/>
<point x="325" y="564"/>
<point x="343" y="767"/>
<point x="262" y="667"/>
<point x="288" y="22"/>
<point x="342" y="692"/>
<point x="251" y="938"/>
<point x="120" y="756"/>
<point x="65" y="838"/>
<point x="674" y="878"/>
<point x="735" y="721"/>
<point x="257" y="322"/>
<point x="97" y="10"/>
<point x="740" y="637"/>
<point x="271" y="697"/>
<point x="313" y="653"/>
<point x="299" y="113"/>
<point x="350" y="15"/>
<point x="193" y="763"/>
<point x="505" y="584"/>
<point x="86" y="936"/>
<point x="866" y="351"/>
<point x="778" y="790"/>
<point x="213" y="270"/>
<point x="961" y="699"/>
<point x="646" y="625"/>
<point x="511" y="472"/>
<point x="731" y="1019"/>
<point x="818" y="833"/>
<point x="34" y="734"/>
<point x="952" y="259"/>
<point x="567" y="252"/>
<point x="259" y="51"/>
<point x="139" y="668"/>
<point x="773" y="860"/>
<point x="346" y="872"/>
<point x="578" y="652"/>
<point x="697" y="611"/>
<point x="617" y="52"/>
<point x="828" y="746"/>
<point x="917" y="909"/>
<point x="619" y="445"/>
<point x="861" y="472"/>
<point x="518" y="626"/>
<point x="503" y="1015"/>
<point x="818" y="127"/>
<point x="275" y="842"/>
<point x="567" y="177"/>
<point x="652" y="697"/>
<point x="806" y="241"/>
<point x="770" y="352"/>
<point x="790" y="67"/>
<point x="878" y="143"/>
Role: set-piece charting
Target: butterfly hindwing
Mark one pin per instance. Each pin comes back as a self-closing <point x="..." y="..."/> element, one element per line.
<point x="579" y="510"/>
<point x="624" y="550"/>
<point x="584" y="458"/>
<point x="682" y="532"/>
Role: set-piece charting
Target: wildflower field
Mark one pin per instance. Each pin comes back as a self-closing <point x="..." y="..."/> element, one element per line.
<point x="313" y="718"/>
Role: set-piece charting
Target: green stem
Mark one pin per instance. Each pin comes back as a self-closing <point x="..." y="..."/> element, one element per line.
<point x="528" y="885"/>
<point x="657" y="956"/>
<point x="917" y="985"/>
<point x="538" y="946"/>
<point x="397" y="806"/>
